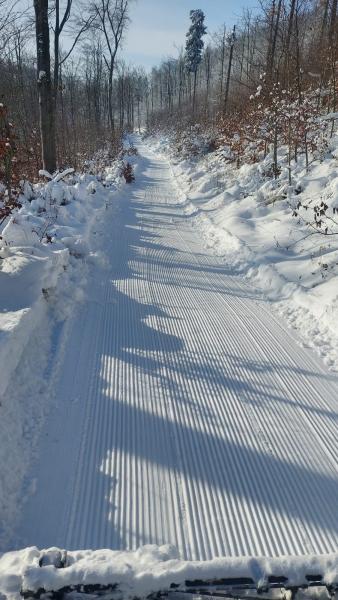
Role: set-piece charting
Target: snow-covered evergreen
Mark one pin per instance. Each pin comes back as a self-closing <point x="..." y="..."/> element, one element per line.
<point x="194" y="43"/>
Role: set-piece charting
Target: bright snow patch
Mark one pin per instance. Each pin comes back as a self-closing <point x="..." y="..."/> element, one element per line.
<point x="45" y="251"/>
<point x="245" y="216"/>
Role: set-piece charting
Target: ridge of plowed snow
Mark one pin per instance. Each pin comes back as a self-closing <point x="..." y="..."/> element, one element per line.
<point x="152" y="569"/>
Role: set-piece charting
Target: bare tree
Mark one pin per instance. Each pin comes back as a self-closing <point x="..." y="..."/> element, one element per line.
<point x="79" y="25"/>
<point x="112" y="19"/>
<point x="8" y="16"/>
<point x="276" y="11"/>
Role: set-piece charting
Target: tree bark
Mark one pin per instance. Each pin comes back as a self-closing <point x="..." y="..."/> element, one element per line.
<point x="45" y="88"/>
<point x="293" y="5"/>
<point x="324" y="22"/>
<point x="333" y="25"/>
<point x="110" y="97"/>
<point x="227" y="87"/>
<point x="221" y="76"/>
<point x="194" y="93"/>
<point x="274" y="41"/>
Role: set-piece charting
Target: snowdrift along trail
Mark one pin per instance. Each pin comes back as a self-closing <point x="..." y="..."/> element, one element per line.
<point x="185" y="412"/>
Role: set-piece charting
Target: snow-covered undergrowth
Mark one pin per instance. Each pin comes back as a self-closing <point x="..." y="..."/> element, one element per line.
<point x="258" y="226"/>
<point x="46" y="249"/>
<point x="149" y="570"/>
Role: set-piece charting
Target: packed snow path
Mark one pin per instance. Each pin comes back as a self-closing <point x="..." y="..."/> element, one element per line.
<point x="186" y="413"/>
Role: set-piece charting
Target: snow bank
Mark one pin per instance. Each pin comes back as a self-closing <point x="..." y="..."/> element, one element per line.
<point x="246" y="217"/>
<point x="149" y="570"/>
<point x="46" y="249"/>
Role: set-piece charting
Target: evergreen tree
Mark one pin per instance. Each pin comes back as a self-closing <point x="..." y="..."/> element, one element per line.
<point x="194" y="45"/>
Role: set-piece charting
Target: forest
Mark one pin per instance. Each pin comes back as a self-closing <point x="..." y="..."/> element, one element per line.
<point x="264" y="81"/>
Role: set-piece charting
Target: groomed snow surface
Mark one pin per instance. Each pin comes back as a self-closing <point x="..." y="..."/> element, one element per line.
<point x="246" y="217"/>
<point x="182" y="411"/>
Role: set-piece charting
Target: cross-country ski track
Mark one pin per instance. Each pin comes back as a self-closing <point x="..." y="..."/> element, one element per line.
<point x="185" y="411"/>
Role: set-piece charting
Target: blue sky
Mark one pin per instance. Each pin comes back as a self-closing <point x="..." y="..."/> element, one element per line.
<point x="159" y="26"/>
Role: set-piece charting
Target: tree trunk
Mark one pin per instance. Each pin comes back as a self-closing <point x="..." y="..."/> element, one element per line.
<point x="56" y="50"/>
<point x="293" y="4"/>
<point x="45" y="89"/>
<point x="138" y="115"/>
<point x="110" y="98"/>
<point x="221" y="75"/>
<point x="324" y="22"/>
<point x="194" y="93"/>
<point x="271" y="30"/>
<point x="227" y="87"/>
<point x="333" y="24"/>
<point x="274" y="40"/>
<point x="207" y="77"/>
<point x="275" y="152"/>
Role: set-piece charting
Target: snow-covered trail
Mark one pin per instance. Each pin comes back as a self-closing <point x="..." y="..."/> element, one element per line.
<point x="186" y="413"/>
